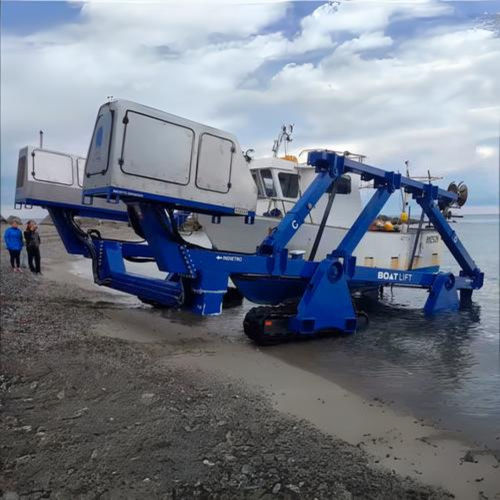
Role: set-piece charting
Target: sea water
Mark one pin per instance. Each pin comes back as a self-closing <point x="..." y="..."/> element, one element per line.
<point x="446" y="368"/>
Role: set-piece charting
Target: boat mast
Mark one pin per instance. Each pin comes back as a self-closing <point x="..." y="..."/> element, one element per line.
<point x="284" y="137"/>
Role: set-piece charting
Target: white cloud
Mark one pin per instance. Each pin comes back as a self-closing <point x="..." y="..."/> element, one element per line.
<point x="362" y="16"/>
<point x="433" y="99"/>
<point x="366" y="41"/>
<point x="178" y="25"/>
<point x="485" y="152"/>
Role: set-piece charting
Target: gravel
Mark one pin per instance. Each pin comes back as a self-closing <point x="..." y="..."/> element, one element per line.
<point x="90" y="417"/>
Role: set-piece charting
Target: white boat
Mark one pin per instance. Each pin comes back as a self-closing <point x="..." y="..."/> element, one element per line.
<point x="222" y="181"/>
<point x="280" y="182"/>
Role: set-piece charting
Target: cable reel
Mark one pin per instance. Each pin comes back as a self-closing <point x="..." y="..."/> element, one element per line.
<point x="462" y="193"/>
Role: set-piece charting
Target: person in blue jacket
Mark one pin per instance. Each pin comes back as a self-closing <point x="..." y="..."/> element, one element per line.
<point x="13" y="237"/>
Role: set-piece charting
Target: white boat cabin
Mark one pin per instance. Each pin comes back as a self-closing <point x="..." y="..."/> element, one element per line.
<point x="280" y="183"/>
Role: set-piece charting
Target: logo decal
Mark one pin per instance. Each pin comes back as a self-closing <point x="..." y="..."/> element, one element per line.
<point x="388" y="276"/>
<point x="230" y="258"/>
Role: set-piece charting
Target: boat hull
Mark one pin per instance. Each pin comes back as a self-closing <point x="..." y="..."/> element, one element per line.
<point x="376" y="249"/>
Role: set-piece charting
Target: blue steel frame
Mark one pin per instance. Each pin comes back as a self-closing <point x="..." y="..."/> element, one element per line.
<point x="79" y="210"/>
<point x="113" y="195"/>
<point x="198" y="277"/>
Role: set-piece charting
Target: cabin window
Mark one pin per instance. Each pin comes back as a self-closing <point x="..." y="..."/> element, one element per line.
<point x="289" y="185"/>
<point x="344" y="185"/>
<point x="260" y="191"/>
<point x="147" y="138"/>
<point x="56" y="168"/>
<point x="267" y="181"/>
<point x="214" y="150"/>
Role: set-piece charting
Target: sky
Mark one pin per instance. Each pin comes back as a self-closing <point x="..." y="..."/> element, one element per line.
<point x="415" y="80"/>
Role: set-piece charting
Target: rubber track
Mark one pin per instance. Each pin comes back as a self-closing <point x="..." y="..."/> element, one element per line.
<point x="253" y="324"/>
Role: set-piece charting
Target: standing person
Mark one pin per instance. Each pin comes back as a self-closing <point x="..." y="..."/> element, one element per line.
<point x="32" y="239"/>
<point x="13" y="238"/>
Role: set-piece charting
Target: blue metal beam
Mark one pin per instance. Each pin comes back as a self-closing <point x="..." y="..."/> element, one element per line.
<point x="113" y="274"/>
<point x="417" y="278"/>
<point x="368" y="172"/>
<point x="449" y="236"/>
<point x="362" y="223"/>
<point x="327" y="174"/>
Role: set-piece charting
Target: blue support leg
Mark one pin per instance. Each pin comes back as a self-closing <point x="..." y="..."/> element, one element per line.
<point x="169" y="254"/>
<point x="204" y="288"/>
<point x="465" y="297"/>
<point x="326" y="303"/>
<point x="208" y="291"/>
<point x="443" y="295"/>
<point x="72" y="242"/>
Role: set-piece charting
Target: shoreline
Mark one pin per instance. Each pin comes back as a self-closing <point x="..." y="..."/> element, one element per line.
<point x="393" y="442"/>
<point x="402" y="443"/>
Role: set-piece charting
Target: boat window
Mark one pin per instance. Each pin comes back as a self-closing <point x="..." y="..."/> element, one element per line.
<point x="289" y="185"/>
<point x="260" y="191"/>
<point x="267" y="181"/>
<point x="344" y="185"/>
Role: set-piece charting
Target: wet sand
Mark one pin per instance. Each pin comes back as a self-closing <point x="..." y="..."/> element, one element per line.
<point x="400" y="443"/>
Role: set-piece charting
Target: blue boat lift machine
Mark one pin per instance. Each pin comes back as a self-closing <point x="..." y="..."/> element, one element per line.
<point x="299" y="297"/>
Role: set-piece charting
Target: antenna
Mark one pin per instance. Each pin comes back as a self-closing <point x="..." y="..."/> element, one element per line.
<point x="41" y="139"/>
<point x="284" y="135"/>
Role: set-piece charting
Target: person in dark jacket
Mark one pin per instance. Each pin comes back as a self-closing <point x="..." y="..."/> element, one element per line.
<point x="33" y="241"/>
<point x="13" y="238"/>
